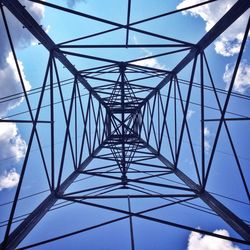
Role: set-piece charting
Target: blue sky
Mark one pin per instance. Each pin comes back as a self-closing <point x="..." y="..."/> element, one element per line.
<point x="188" y="26"/>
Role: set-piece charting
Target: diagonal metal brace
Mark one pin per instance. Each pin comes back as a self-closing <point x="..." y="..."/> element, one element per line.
<point x="228" y="216"/>
<point x="38" y="213"/>
<point x="19" y="11"/>
<point x="240" y="7"/>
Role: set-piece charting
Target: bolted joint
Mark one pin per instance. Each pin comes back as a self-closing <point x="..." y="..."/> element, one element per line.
<point x="122" y="66"/>
<point x="124" y="179"/>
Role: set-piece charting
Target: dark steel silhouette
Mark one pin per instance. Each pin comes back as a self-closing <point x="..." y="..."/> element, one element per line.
<point x="128" y="119"/>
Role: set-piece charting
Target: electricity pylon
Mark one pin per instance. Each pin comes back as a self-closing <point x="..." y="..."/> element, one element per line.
<point x="135" y="131"/>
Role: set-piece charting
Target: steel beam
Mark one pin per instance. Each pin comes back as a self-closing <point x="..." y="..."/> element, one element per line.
<point x="19" y="11"/>
<point x="135" y="196"/>
<point x="38" y="213"/>
<point x="117" y="46"/>
<point x="122" y="89"/>
<point x="240" y="7"/>
<point x="29" y="223"/>
<point x="228" y="216"/>
<point x="163" y="222"/>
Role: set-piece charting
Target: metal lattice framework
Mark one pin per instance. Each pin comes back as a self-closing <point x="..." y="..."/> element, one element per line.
<point x="135" y="132"/>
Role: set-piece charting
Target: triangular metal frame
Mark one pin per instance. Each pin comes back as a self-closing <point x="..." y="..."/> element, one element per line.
<point x="126" y="130"/>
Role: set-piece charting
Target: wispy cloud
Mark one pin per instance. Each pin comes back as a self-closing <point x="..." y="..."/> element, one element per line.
<point x="147" y="62"/>
<point x="72" y="3"/>
<point x="190" y="113"/>
<point x="242" y="80"/>
<point x="9" y="179"/>
<point x="150" y="62"/>
<point x="206" y="131"/>
<point x="197" y="241"/>
<point x="206" y="143"/>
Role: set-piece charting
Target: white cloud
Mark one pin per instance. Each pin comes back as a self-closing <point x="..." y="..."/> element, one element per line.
<point x="9" y="80"/>
<point x="207" y="145"/>
<point x="229" y="42"/>
<point x="206" y="131"/>
<point x="72" y="3"/>
<point x="206" y="142"/>
<point x="242" y="80"/>
<point x="36" y="10"/>
<point x="150" y="62"/>
<point x="10" y="84"/>
<point x="190" y="113"/>
<point x="21" y="37"/>
<point x="48" y="28"/>
<point x="9" y="179"/>
<point x="13" y="147"/>
<point x="198" y="241"/>
<point x="135" y="40"/>
<point x="228" y="45"/>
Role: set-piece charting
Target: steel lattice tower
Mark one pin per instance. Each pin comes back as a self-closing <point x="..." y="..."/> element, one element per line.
<point x="134" y="132"/>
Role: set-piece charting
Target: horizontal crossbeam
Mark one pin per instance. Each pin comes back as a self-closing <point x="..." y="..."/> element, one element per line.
<point x="229" y="217"/>
<point x="18" y="10"/>
<point x="30" y="222"/>
<point x="240" y="7"/>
